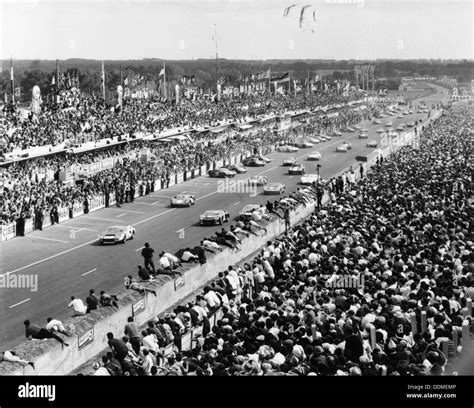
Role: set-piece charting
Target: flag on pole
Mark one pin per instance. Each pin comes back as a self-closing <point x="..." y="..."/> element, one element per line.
<point x="162" y="72"/>
<point x="103" y="80"/>
<point x="53" y="80"/>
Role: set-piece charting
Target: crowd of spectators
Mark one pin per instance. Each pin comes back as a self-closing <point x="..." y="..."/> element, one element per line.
<point x="84" y="119"/>
<point x="403" y="234"/>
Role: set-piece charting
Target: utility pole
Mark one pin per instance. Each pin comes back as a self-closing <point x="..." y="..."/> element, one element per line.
<point x="217" y="54"/>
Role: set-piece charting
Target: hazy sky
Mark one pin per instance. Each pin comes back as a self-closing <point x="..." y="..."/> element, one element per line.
<point x="246" y="29"/>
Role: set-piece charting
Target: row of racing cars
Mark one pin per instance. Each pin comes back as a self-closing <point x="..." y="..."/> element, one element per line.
<point x="120" y="234"/>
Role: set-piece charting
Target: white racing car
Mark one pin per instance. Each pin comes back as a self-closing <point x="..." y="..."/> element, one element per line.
<point x="246" y="212"/>
<point x="274" y="188"/>
<point x="215" y="217"/>
<point x="341" y="148"/>
<point x="400" y="128"/>
<point x="183" y="200"/>
<point x="296" y="169"/>
<point x="314" y="140"/>
<point x="371" y="143"/>
<point x="380" y="131"/>
<point x="309" y="179"/>
<point x="287" y="149"/>
<point x="388" y="124"/>
<point x="257" y="180"/>
<point x="363" y="135"/>
<point x="304" y="144"/>
<point x="337" y="133"/>
<point x="117" y="234"/>
<point x="289" y="162"/>
<point x="314" y="156"/>
<point x="411" y="124"/>
<point x="238" y="168"/>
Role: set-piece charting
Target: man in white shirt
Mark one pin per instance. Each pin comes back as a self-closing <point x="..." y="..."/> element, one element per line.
<point x="211" y="246"/>
<point x="100" y="370"/>
<point x="165" y="262"/>
<point x="78" y="306"/>
<point x="149" y="341"/>
<point x="188" y="256"/>
<point x="147" y="362"/>
<point x="56" y="325"/>
<point x="211" y="298"/>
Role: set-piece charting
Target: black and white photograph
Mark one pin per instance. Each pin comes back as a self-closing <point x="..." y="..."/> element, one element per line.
<point x="236" y="188"/>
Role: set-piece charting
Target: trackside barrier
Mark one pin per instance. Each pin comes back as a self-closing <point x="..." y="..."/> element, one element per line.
<point x="96" y="203"/>
<point x="203" y="170"/>
<point x="63" y="213"/>
<point x="172" y="179"/>
<point x="179" y="177"/>
<point x="77" y="209"/>
<point x="8" y="231"/>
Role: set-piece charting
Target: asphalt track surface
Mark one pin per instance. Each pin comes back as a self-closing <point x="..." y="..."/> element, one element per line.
<point x="69" y="261"/>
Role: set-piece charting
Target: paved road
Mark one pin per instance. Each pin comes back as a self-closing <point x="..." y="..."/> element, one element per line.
<point x="68" y="260"/>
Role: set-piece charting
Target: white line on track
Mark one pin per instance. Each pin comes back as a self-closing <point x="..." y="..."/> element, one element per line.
<point x="156" y="202"/>
<point x="152" y="204"/>
<point x="99" y="218"/>
<point x="121" y="215"/>
<point x="238" y="202"/>
<point x="153" y="217"/>
<point x="136" y="250"/>
<point x="87" y="273"/>
<point x="19" y="303"/>
<point x="49" y="239"/>
<point x="76" y="229"/>
<point x="130" y="211"/>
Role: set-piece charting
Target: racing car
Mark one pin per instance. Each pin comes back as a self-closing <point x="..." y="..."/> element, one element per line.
<point x="274" y="188"/>
<point x="246" y="212"/>
<point x="183" y="200"/>
<point x="309" y="179"/>
<point x="287" y="149"/>
<point x="221" y="173"/>
<point x="117" y="234"/>
<point x="253" y="162"/>
<point x="296" y="169"/>
<point x="363" y="135"/>
<point x="257" y="180"/>
<point x="289" y="162"/>
<point x="314" y="156"/>
<point x="216" y="217"/>
<point x="238" y="168"/>
<point x="371" y="143"/>
<point x="304" y="144"/>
